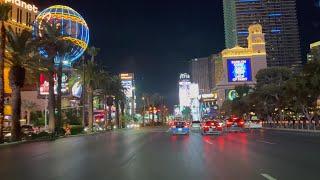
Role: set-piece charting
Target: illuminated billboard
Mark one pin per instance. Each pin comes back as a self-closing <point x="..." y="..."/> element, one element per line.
<point x="184" y="93"/>
<point x="44" y="84"/>
<point x="239" y="70"/>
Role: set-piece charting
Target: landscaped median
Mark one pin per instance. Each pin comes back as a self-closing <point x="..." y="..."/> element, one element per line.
<point x="296" y="131"/>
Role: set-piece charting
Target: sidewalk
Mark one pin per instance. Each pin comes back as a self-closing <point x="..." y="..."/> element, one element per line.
<point x="50" y="139"/>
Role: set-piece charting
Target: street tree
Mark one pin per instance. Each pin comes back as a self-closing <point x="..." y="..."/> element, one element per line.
<point x="54" y="45"/>
<point x="269" y="93"/>
<point x="22" y="56"/>
<point x="91" y="77"/>
<point x="5" y="9"/>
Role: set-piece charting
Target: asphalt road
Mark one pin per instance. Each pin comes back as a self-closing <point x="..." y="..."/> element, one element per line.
<point x="153" y="154"/>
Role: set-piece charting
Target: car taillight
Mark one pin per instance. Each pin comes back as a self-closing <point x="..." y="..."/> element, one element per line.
<point x="229" y="122"/>
<point x="241" y="122"/>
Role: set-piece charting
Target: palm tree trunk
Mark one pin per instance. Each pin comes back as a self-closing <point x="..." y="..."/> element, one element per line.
<point x="16" y="109"/>
<point x="109" y="116"/>
<point x="90" y="108"/>
<point x="122" y="114"/>
<point x="117" y="114"/>
<point x="51" y="103"/>
<point x="2" y="49"/>
<point x="59" y="96"/>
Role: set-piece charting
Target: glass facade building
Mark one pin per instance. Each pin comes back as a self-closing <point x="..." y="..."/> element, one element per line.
<point x="280" y="25"/>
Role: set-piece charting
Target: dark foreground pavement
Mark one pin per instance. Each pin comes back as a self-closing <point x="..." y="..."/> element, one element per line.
<point x="152" y="154"/>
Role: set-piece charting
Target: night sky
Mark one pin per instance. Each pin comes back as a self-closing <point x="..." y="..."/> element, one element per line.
<point x="155" y="38"/>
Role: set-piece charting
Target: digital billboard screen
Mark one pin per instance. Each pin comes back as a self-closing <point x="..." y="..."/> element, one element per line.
<point x="44" y="84"/>
<point x="239" y="70"/>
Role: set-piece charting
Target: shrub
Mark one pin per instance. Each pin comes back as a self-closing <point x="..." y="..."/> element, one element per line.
<point x="76" y="129"/>
<point x="41" y="135"/>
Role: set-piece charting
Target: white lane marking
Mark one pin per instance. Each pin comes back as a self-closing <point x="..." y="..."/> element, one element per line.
<point x="266" y="142"/>
<point x="267" y="176"/>
<point x="168" y="130"/>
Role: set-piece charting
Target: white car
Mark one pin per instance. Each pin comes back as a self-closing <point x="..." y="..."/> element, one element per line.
<point x="196" y="126"/>
<point x="253" y="124"/>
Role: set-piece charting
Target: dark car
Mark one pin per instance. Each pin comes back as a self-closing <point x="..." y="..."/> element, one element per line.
<point x="211" y="127"/>
<point x="27" y="131"/>
<point x="235" y="124"/>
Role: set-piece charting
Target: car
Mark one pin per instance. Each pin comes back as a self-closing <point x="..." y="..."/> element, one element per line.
<point x="180" y="127"/>
<point x="195" y="125"/>
<point x="235" y="124"/>
<point x="253" y="124"/>
<point x="26" y="132"/>
<point x="211" y="127"/>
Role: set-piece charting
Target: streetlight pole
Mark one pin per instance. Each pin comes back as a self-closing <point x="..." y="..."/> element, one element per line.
<point x="45" y="113"/>
<point x="83" y="93"/>
<point x="144" y="111"/>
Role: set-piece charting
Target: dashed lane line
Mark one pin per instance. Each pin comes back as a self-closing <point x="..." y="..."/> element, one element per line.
<point x="266" y="142"/>
<point x="268" y="177"/>
<point x="207" y="141"/>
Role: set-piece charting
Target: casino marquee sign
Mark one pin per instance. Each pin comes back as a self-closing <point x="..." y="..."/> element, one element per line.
<point x="27" y="6"/>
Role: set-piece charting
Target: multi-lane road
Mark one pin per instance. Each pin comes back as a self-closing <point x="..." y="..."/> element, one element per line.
<point x="152" y="154"/>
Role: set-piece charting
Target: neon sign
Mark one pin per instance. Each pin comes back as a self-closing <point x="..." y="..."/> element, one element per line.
<point x="239" y="70"/>
<point x="27" y="6"/>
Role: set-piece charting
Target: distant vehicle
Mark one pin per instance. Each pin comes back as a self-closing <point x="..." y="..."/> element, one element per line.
<point x="211" y="127"/>
<point x="95" y="128"/>
<point x="26" y="132"/>
<point x="195" y="125"/>
<point x="133" y="125"/>
<point x="235" y="124"/>
<point x="253" y="124"/>
<point x="180" y="127"/>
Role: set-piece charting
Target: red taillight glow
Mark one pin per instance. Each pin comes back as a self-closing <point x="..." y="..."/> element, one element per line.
<point x="241" y="122"/>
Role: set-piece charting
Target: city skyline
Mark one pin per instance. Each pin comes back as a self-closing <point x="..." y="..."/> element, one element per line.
<point x="196" y="30"/>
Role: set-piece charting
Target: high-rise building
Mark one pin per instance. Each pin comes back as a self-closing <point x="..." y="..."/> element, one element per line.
<point x="127" y="81"/>
<point x="188" y="96"/>
<point x="202" y="71"/>
<point x="280" y="25"/>
<point x="241" y="65"/>
<point x="21" y="17"/>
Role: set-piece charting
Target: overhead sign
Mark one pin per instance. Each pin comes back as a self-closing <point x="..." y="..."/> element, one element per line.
<point x="27" y="6"/>
<point x="239" y="70"/>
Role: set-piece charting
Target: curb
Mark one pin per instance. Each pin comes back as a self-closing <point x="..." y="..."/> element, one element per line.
<point x="49" y="139"/>
<point x="296" y="131"/>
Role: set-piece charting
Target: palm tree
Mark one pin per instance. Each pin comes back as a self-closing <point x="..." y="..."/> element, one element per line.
<point x="21" y="57"/>
<point x="5" y="9"/>
<point x="93" y="52"/>
<point x="91" y="77"/>
<point x="117" y="90"/>
<point x="55" y="45"/>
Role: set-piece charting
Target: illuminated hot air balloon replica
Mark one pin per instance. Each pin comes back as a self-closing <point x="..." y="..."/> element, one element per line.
<point x="73" y="27"/>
